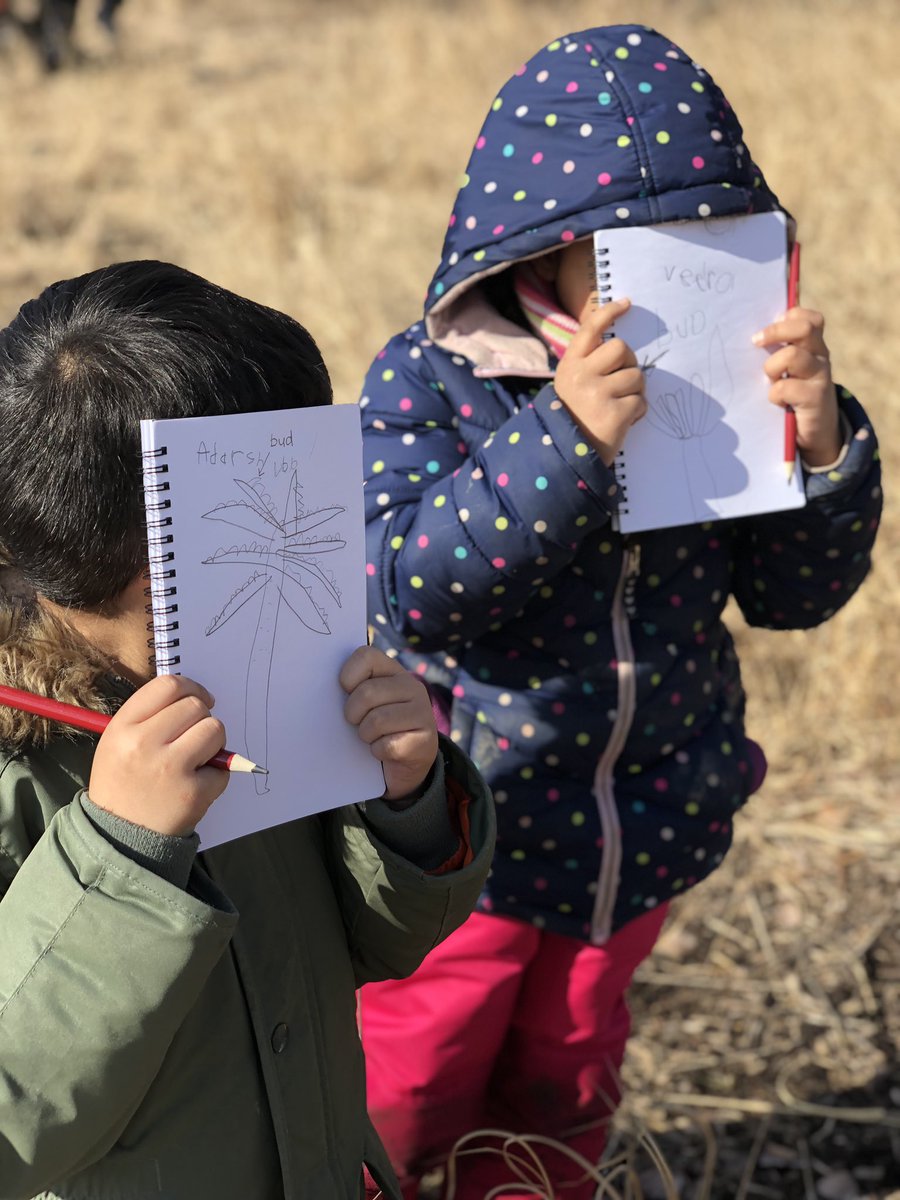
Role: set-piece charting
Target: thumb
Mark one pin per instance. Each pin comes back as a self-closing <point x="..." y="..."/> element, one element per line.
<point x="596" y="320"/>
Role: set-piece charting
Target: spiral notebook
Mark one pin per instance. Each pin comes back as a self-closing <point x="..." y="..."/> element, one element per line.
<point x="257" y="581"/>
<point x="710" y="446"/>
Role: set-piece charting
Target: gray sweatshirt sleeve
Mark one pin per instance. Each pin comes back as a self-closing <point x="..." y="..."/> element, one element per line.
<point x="167" y="856"/>
<point x="422" y="833"/>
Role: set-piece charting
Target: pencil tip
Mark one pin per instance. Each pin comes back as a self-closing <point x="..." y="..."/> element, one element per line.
<point x="789" y="471"/>
<point x="258" y="770"/>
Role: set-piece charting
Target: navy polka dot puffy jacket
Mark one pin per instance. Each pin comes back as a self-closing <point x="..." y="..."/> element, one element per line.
<point x="589" y="675"/>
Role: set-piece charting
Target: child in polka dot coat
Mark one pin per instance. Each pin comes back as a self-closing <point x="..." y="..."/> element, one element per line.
<point x="587" y="673"/>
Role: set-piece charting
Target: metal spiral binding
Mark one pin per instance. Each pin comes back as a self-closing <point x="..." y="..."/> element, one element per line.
<point x="604" y="288"/>
<point x="161" y="565"/>
<point x="622" y="481"/>
<point x="603" y="276"/>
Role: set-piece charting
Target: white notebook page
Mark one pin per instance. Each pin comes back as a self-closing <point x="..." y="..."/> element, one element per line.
<point x="711" y="445"/>
<point x="269" y="578"/>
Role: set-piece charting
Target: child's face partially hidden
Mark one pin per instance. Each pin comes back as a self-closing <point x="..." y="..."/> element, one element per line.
<point x="576" y="280"/>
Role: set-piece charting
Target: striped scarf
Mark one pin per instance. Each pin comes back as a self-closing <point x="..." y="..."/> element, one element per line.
<point x="541" y="306"/>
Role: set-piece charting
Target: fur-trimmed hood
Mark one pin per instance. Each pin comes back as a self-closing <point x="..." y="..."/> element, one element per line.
<point x="40" y="654"/>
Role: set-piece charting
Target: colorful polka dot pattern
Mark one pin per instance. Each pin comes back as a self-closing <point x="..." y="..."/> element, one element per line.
<point x="602" y="127"/>
<point x="492" y="569"/>
<point x="492" y="561"/>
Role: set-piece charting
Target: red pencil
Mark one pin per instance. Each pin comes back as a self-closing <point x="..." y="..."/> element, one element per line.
<point x="96" y="722"/>
<point x="790" y="417"/>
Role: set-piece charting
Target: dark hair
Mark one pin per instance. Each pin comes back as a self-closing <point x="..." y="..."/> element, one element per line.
<point x="80" y="366"/>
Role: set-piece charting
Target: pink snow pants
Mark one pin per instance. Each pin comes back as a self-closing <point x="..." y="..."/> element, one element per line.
<point x="504" y="1026"/>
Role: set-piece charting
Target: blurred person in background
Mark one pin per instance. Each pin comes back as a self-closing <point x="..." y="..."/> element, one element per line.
<point x="51" y="29"/>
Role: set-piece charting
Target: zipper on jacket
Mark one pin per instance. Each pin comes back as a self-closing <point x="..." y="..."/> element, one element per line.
<point x="604" y="792"/>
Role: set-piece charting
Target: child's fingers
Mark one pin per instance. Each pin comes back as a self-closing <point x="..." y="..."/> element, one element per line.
<point x="803" y="327"/>
<point x="211" y="783"/>
<point x="386" y="720"/>
<point x="409" y="746"/>
<point x="201" y="741"/>
<point x="392" y="714"/>
<point x="159" y="694"/>
<point x="381" y="691"/>
<point x="614" y="355"/>
<point x="800" y="394"/>
<point x="590" y="332"/>
<point x="406" y="759"/>
<point x="175" y="719"/>
<point x="150" y="764"/>
<point x="629" y="381"/>
<point x="796" y="362"/>
<point x="367" y="663"/>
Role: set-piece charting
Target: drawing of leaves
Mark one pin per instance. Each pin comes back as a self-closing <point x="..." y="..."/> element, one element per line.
<point x="236" y="600"/>
<point x="689" y="414"/>
<point x="240" y="515"/>
<point x="301" y="602"/>
<point x="315" y="574"/>
<point x="285" y="571"/>
<point x="693" y="412"/>
<point x="310" y="520"/>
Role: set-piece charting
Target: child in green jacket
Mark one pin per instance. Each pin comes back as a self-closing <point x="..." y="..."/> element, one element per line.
<point x="174" y="1023"/>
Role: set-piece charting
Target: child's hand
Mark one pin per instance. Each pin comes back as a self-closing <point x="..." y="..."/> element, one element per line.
<point x="392" y="714"/>
<point x="801" y="378"/>
<point x="600" y="382"/>
<point x="148" y="766"/>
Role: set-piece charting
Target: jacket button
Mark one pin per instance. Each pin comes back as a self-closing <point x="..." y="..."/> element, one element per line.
<point x="280" y="1036"/>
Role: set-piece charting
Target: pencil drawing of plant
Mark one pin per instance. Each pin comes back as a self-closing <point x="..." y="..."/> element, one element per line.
<point x="284" y="554"/>
<point x="688" y="414"/>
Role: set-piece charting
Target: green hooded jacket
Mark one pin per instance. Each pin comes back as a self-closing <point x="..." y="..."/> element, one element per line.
<point x="194" y="1043"/>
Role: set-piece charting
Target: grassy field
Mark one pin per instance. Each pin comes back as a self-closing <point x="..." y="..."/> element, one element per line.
<point x="307" y="154"/>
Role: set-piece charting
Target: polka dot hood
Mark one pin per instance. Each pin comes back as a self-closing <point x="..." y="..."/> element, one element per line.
<point x="601" y="128"/>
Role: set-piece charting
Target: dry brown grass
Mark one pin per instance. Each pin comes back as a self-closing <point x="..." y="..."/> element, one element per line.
<point x="306" y="154"/>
